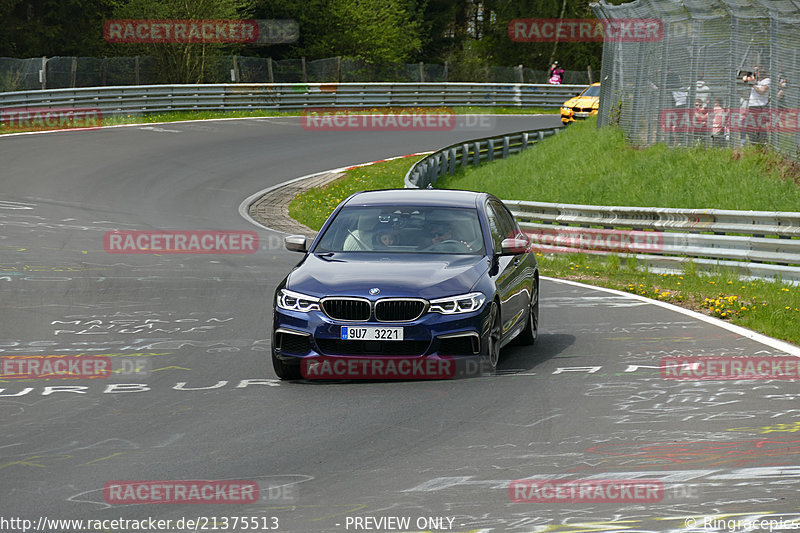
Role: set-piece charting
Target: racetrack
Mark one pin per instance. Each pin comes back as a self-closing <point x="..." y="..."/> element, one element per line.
<point x="586" y="402"/>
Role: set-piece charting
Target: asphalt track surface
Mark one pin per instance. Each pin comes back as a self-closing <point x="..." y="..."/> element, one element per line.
<point x="586" y="402"/>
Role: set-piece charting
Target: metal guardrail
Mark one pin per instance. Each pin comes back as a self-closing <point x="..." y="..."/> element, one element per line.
<point x="760" y="244"/>
<point x="277" y="96"/>
<point x="427" y="170"/>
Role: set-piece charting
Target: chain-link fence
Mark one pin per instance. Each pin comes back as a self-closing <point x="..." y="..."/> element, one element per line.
<point x="66" y="72"/>
<point x="723" y="73"/>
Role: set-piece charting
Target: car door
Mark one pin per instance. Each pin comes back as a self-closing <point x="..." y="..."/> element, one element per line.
<point x="511" y="281"/>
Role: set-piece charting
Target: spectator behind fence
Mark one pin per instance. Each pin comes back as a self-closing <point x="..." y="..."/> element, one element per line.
<point x="702" y="91"/>
<point x="719" y="125"/>
<point x="555" y="75"/>
<point x="758" y="103"/>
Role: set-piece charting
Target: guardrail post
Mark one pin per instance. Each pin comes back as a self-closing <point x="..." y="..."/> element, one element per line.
<point x="476" y="158"/>
<point x="491" y="150"/>
<point x="73" y="71"/>
<point x="465" y="155"/>
<point x="540" y="135"/>
<point x="524" y="141"/>
<point x="505" y="146"/>
<point x="452" y="161"/>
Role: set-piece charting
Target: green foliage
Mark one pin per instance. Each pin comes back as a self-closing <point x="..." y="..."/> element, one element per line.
<point x="182" y="62"/>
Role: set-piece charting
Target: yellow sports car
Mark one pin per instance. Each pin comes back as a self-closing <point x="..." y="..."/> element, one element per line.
<point x="582" y="106"/>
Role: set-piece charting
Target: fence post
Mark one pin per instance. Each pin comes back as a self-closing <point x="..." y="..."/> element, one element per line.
<point x="269" y="70"/>
<point x="519" y="74"/>
<point x="339" y="69"/>
<point x="235" y="71"/>
<point x="43" y="73"/>
<point x="303" y="69"/>
<point x="136" y="69"/>
<point x="590" y="74"/>
<point x="104" y="72"/>
<point x="421" y="71"/>
<point x="445" y="71"/>
<point x="73" y="71"/>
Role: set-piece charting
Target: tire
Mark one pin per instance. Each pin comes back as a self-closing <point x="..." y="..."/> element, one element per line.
<point x="285" y="371"/>
<point x="492" y="356"/>
<point x="529" y="335"/>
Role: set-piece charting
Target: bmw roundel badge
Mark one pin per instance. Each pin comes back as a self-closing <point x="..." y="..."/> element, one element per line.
<point x="375" y="290"/>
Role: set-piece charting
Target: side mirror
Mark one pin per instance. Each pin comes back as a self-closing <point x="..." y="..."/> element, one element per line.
<point x="515" y="246"/>
<point x="295" y="243"/>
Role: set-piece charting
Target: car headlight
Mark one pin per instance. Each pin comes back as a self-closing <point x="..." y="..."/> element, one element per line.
<point x="565" y="108"/>
<point x="294" y="301"/>
<point x="463" y="303"/>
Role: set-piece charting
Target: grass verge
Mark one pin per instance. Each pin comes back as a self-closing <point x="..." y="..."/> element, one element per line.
<point x="584" y="165"/>
<point x="178" y="116"/>
<point x="767" y="307"/>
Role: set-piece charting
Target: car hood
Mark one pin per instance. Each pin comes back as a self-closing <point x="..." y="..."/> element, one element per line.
<point x="354" y="274"/>
<point x="583" y="101"/>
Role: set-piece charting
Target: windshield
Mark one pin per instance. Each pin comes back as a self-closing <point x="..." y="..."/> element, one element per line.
<point x="393" y="229"/>
<point x="593" y="90"/>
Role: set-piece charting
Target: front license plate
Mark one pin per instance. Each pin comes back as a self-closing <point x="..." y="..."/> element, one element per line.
<point x="582" y="115"/>
<point x="351" y="333"/>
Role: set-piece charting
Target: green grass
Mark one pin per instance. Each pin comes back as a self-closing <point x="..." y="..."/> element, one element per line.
<point x="178" y="116"/>
<point x="313" y="206"/>
<point x="583" y="165"/>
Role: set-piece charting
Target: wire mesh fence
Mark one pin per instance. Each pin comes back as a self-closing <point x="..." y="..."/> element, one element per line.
<point x="67" y="72"/>
<point x="723" y="73"/>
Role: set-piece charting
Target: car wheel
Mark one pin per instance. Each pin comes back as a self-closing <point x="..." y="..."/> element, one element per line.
<point x="285" y="371"/>
<point x="529" y="335"/>
<point x="493" y="339"/>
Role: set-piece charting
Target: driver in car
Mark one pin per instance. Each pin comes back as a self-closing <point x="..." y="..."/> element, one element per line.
<point x="443" y="232"/>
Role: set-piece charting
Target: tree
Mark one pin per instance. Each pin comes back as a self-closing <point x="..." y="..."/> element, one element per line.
<point x="183" y="62"/>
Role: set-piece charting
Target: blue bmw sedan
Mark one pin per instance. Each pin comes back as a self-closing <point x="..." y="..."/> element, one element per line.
<point x="408" y="274"/>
